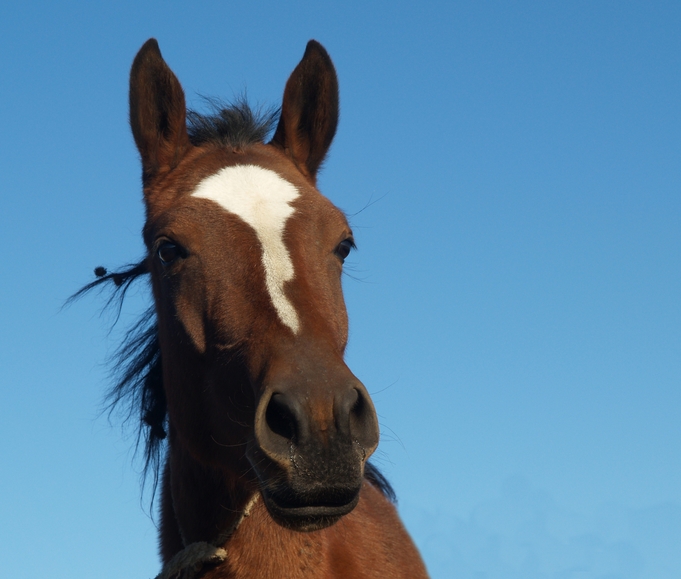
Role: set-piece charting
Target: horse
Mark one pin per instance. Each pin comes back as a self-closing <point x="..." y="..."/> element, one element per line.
<point x="257" y="431"/>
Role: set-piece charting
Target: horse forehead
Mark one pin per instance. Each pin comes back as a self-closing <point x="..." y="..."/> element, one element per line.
<point x="261" y="198"/>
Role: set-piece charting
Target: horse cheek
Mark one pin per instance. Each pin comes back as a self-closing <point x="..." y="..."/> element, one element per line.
<point x="191" y="317"/>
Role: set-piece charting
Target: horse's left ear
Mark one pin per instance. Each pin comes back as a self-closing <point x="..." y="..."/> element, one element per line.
<point x="309" y="112"/>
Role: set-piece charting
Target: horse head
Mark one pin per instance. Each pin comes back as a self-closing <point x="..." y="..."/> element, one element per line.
<point x="246" y="256"/>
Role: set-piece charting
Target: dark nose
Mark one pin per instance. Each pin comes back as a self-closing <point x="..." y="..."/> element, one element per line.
<point x="296" y="419"/>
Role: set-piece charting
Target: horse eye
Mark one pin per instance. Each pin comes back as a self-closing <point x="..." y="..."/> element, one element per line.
<point x="344" y="248"/>
<point x="168" y="252"/>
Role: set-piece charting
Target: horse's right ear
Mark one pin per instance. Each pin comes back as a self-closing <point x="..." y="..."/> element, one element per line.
<point x="157" y="112"/>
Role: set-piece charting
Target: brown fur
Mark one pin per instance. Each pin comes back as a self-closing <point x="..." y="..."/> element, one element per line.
<point x="369" y="543"/>
<point x="254" y="409"/>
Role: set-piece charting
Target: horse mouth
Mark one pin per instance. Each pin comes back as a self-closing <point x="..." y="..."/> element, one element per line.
<point x="300" y="515"/>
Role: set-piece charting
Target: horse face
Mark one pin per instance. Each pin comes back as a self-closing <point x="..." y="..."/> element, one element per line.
<point x="246" y="257"/>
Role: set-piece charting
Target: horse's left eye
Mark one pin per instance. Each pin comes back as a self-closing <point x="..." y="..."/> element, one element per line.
<point x="344" y="248"/>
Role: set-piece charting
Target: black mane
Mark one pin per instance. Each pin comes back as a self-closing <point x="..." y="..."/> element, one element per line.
<point x="137" y="390"/>
<point x="136" y="366"/>
<point x="236" y="125"/>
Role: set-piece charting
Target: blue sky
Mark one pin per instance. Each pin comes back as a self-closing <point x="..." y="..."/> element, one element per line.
<point x="512" y="174"/>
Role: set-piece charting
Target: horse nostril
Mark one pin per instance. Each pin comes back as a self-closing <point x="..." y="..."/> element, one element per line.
<point x="281" y="417"/>
<point x="356" y="411"/>
<point x="345" y="409"/>
<point x="359" y="407"/>
<point x="351" y="411"/>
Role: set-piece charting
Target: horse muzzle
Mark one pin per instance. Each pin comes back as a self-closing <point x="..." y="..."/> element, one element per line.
<point x="310" y="448"/>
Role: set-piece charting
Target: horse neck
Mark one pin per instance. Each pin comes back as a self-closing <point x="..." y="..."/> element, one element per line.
<point x="368" y="543"/>
<point x="261" y="548"/>
<point x="199" y="502"/>
<point x="201" y="505"/>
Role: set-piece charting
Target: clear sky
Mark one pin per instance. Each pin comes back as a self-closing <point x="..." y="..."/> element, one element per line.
<point x="512" y="174"/>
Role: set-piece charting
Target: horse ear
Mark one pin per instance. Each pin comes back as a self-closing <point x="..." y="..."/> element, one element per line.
<point x="157" y="111"/>
<point x="309" y="112"/>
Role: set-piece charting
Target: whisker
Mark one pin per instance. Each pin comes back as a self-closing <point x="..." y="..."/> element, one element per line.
<point x="227" y="445"/>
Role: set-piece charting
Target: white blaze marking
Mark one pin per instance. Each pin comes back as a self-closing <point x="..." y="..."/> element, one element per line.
<point x="261" y="198"/>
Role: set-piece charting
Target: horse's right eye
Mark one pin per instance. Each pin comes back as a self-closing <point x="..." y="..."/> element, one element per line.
<point x="168" y="252"/>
